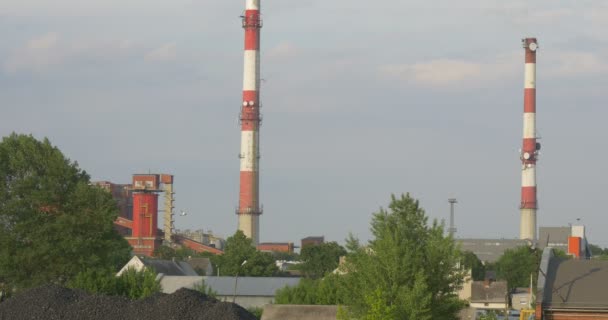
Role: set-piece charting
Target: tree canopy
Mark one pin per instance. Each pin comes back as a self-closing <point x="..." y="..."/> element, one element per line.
<point x="409" y="270"/>
<point x="131" y="283"/>
<point x="318" y="260"/>
<point x="53" y="223"/>
<point x="471" y="261"/>
<point x="239" y="249"/>
<point x="516" y="265"/>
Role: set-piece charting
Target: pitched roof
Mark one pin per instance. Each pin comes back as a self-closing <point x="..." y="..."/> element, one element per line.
<point x="169" y="267"/>
<point x="576" y="284"/>
<point x="490" y="250"/>
<point x="224" y="286"/>
<point x="201" y="263"/>
<point x="495" y="292"/>
<point x="553" y="237"/>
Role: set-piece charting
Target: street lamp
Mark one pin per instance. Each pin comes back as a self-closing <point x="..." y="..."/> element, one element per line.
<point x="237" y="279"/>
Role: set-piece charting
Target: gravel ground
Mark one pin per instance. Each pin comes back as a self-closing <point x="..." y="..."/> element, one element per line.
<point x="57" y="303"/>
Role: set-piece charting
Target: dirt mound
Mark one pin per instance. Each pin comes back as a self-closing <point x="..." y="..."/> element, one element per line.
<point x="57" y="303"/>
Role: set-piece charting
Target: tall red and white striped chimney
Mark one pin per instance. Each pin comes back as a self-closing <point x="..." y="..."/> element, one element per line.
<point x="530" y="148"/>
<point x="249" y="209"/>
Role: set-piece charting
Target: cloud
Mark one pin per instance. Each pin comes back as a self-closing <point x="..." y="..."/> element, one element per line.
<point x="577" y="64"/>
<point x="283" y="50"/>
<point x="447" y="72"/>
<point x="166" y="52"/>
<point x="38" y="53"/>
<point x="50" y="50"/>
<point x="44" y="42"/>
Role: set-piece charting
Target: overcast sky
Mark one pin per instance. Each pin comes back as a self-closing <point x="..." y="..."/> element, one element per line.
<point x="361" y="99"/>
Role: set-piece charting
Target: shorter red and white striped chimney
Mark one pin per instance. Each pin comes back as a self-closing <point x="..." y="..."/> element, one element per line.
<point x="530" y="148"/>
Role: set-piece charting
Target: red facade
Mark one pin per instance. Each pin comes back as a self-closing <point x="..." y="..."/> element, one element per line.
<point x="145" y="215"/>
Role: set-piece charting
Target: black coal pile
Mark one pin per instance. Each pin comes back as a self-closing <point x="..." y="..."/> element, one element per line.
<point x="57" y="303"/>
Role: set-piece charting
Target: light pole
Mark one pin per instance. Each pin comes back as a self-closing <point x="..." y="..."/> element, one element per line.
<point x="236" y="279"/>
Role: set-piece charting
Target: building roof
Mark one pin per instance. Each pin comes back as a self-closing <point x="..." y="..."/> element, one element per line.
<point x="166" y="267"/>
<point x="576" y="284"/>
<point x="553" y="237"/>
<point x="199" y="263"/>
<point x="169" y="267"/>
<point x="489" y="292"/>
<point x="224" y="286"/>
<point x="490" y="250"/>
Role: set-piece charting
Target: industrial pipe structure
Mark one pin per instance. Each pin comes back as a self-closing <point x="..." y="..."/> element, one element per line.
<point x="249" y="209"/>
<point x="452" y="228"/>
<point x="530" y="148"/>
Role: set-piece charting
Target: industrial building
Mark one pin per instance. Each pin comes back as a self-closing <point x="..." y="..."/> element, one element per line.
<point x="312" y="241"/>
<point x="138" y="217"/>
<point x="286" y="247"/>
<point x="570" y="289"/>
<point x="124" y="200"/>
<point x="490" y="250"/>
<point x="207" y="238"/>
<point x="246" y="291"/>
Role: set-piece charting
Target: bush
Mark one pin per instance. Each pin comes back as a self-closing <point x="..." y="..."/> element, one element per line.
<point x="132" y="284"/>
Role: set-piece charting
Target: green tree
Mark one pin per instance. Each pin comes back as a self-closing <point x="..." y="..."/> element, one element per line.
<point x="131" y="283"/>
<point x="408" y="271"/>
<point x="326" y="291"/>
<point x="239" y="249"/>
<point x="320" y="259"/>
<point x="516" y="265"/>
<point x="203" y="288"/>
<point x="287" y="256"/>
<point x="471" y="261"/>
<point x="53" y="223"/>
<point x="256" y="311"/>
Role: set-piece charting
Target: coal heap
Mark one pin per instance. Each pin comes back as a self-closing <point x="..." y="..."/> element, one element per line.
<point x="53" y="302"/>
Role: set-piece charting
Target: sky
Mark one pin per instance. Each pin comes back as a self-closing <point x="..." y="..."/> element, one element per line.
<point x="361" y="100"/>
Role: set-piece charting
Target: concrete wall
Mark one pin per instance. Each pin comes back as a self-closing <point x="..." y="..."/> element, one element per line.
<point x="249" y="301"/>
<point x="299" y="312"/>
<point x="465" y="293"/>
<point x="490" y="306"/>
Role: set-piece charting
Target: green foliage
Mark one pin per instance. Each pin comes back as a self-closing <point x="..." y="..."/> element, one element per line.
<point x="131" y="283"/>
<point x="491" y="315"/>
<point x="408" y="271"/>
<point x="516" y="265"/>
<point x="471" y="261"/>
<point x="53" y="223"/>
<point x="203" y="288"/>
<point x="597" y="250"/>
<point x="325" y="291"/>
<point x="257" y="312"/>
<point x="318" y="260"/>
<point x="286" y="256"/>
<point x="238" y="249"/>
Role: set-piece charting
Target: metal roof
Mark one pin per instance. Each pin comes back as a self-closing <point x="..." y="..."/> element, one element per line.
<point x="224" y="286"/>
<point x="490" y="250"/>
<point x="556" y="237"/>
<point x="576" y="284"/>
<point x="169" y="267"/>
